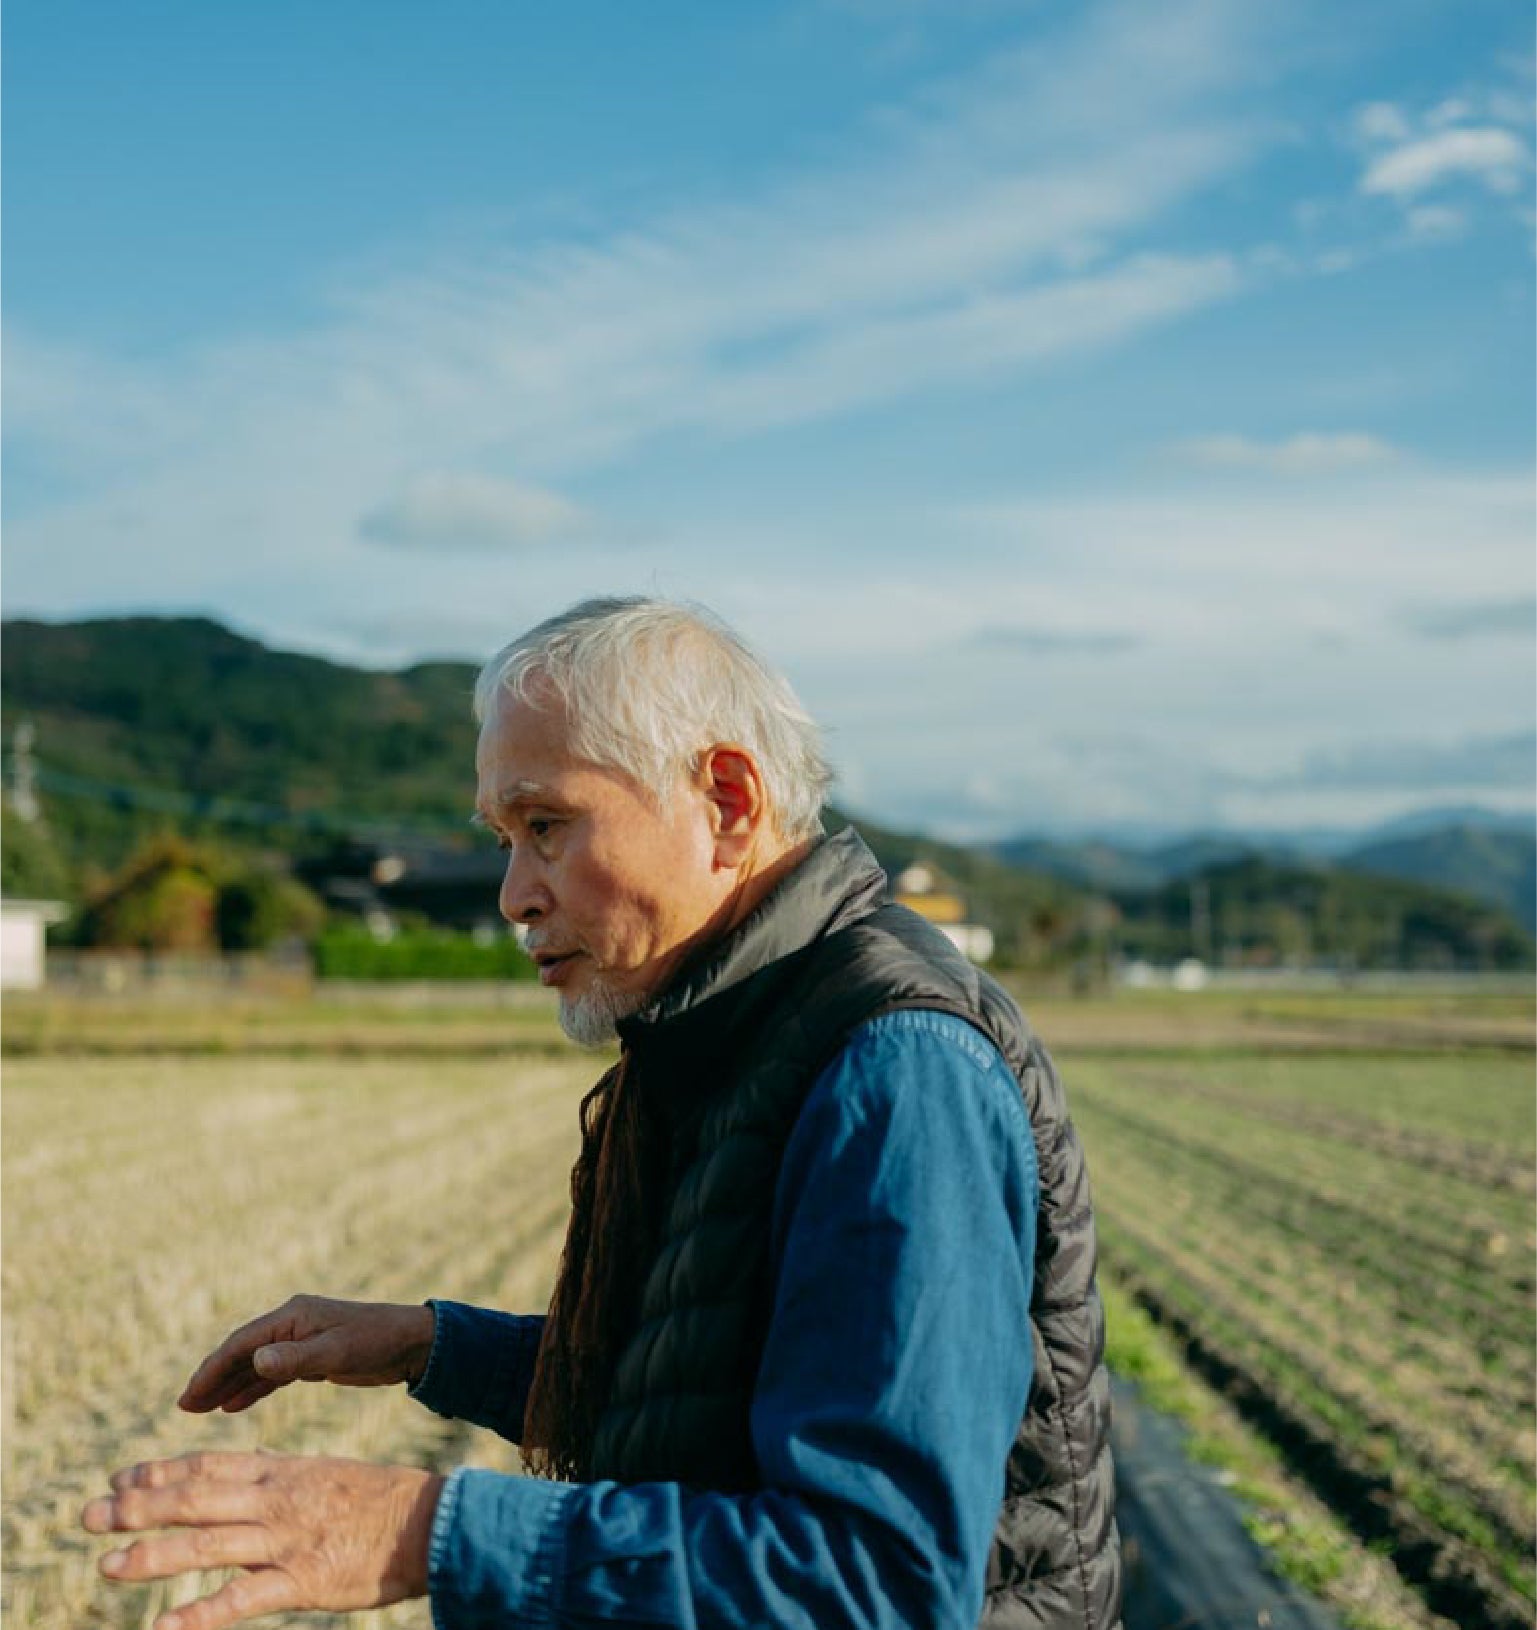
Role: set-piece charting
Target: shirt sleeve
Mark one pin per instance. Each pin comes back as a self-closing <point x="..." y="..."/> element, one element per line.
<point x="895" y="1373"/>
<point x="481" y="1366"/>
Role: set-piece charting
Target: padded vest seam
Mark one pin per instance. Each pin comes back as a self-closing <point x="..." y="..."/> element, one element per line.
<point x="1075" y="1483"/>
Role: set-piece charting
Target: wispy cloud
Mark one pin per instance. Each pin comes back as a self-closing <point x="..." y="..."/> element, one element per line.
<point x="1298" y="556"/>
<point x="1480" y="620"/>
<point x="1308" y="453"/>
<point x="1054" y="641"/>
<point x="1494" y="157"/>
<point x="403" y="636"/>
<point x="1435" y="223"/>
<point x="464" y="430"/>
<point x="999" y="220"/>
<point x="1476" y="763"/>
<point x="470" y="512"/>
<point x="1381" y="122"/>
<point x="1434" y="163"/>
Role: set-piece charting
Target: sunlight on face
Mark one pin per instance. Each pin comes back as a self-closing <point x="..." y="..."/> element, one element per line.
<point x="613" y="892"/>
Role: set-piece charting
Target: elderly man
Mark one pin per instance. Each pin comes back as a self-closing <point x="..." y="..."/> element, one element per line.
<point x="825" y="1348"/>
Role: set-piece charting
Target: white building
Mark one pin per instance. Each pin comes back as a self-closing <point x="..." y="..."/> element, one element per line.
<point x="919" y="889"/>
<point x="23" y="941"/>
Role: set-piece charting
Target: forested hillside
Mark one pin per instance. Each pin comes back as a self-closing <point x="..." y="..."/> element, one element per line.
<point x="1255" y="912"/>
<point x="144" y="722"/>
<point x="139" y="725"/>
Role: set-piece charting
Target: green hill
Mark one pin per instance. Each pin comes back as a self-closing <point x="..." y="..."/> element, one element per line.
<point x="1256" y="912"/>
<point x="1498" y="867"/>
<point x="143" y="723"/>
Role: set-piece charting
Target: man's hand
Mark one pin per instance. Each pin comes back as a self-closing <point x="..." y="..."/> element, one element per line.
<point x="311" y="1532"/>
<point x="312" y="1338"/>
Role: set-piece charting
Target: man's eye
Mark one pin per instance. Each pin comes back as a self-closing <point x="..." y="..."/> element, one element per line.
<point x="541" y="828"/>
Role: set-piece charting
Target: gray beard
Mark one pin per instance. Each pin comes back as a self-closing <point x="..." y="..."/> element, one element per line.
<point x="590" y="1020"/>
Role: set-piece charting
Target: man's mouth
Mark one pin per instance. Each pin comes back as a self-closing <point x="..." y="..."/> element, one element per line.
<point x="552" y="965"/>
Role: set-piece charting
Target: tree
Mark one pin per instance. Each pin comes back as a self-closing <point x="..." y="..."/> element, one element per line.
<point x="258" y="908"/>
<point x="31" y="867"/>
<point x="163" y="899"/>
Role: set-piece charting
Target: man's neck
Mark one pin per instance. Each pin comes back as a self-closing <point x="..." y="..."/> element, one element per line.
<point x="758" y="884"/>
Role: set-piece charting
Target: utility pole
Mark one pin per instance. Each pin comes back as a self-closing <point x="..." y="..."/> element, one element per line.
<point x="1200" y="919"/>
<point x="24" y="774"/>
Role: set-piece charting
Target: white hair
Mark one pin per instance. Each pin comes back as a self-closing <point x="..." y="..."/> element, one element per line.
<point x="649" y="685"/>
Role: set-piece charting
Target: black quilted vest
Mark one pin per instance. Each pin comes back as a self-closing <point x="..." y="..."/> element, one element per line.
<point x="725" y="1058"/>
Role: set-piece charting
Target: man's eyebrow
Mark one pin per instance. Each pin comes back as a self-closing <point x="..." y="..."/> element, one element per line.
<point x="515" y="793"/>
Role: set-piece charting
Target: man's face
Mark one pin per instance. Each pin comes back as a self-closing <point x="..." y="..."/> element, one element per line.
<point x="614" y="892"/>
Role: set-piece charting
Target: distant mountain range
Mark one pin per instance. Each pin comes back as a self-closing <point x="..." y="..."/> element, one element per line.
<point x="1490" y="856"/>
<point x="1485" y="862"/>
<point x="143" y="722"/>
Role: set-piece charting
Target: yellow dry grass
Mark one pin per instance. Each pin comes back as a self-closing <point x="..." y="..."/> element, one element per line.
<point x="152" y="1203"/>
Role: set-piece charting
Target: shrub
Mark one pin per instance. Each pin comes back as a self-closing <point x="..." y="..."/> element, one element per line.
<point x="418" y="953"/>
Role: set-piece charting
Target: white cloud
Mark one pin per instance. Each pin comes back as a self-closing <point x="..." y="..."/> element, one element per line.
<point x="1381" y="121"/>
<point x="1308" y="453"/>
<point x="1332" y="262"/>
<point x="1453" y="111"/>
<point x="1492" y="156"/>
<point x="1468" y="765"/>
<point x="994" y="223"/>
<point x="466" y="511"/>
<point x="1045" y="640"/>
<point x="1299" y="555"/>
<point x="1436" y="222"/>
<point x="997" y="223"/>
<point x="1479" y="620"/>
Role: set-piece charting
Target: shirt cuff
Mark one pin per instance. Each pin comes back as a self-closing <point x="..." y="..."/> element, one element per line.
<point x="496" y="1551"/>
<point x="431" y="1377"/>
<point x="480" y="1366"/>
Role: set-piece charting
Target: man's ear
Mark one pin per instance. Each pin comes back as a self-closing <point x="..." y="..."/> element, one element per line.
<point x="732" y="785"/>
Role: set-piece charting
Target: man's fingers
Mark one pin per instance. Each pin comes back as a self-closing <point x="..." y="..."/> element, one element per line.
<point x="247" y="1596"/>
<point x="228" y="1466"/>
<point x="193" y="1501"/>
<point x="283" y="1361"/>
<point x="246" y="1396"/>
<point x="242" y="1545"/>
<point x="260" y="1357"/>
<point x="228" y="1367"/>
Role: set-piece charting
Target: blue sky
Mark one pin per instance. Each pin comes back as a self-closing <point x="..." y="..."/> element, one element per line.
<point x="1105" y="413"/>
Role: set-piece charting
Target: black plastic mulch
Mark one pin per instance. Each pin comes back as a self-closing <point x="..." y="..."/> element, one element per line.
<point x="1189" y="1563"/>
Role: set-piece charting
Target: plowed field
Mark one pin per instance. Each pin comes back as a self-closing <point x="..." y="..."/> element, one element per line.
<point x="1337" y="1233"/>
<point x="1345" y="1245"/>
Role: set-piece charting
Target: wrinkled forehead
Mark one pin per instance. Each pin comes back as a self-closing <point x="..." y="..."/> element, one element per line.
<point x="515" y="733"/>
<point x="524" y="755"/>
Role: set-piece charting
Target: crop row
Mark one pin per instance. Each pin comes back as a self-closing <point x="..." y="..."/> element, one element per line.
<point x="1415" y="1368"/>
<point x="1424" y="1277"/>
<point x="1469" y="1231"/>
<point x="1340" y="1294"/>
<point x="1475" y="1163"/>
<point x="1461" y="1571"/>
<point x="1441" y="1365"/>
<point x="1482" y="1456"/>
<point x="1478" y="1109"/>
<point x="1345" y="1143"/>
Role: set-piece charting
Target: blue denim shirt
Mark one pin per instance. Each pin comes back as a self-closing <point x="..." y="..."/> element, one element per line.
<point x="896" y="1369"/>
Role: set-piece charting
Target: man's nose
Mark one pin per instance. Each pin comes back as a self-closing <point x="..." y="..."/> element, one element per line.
<point x="524" y="898"/>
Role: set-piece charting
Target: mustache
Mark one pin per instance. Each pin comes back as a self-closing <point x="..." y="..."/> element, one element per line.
<point x="543" y="945"/>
